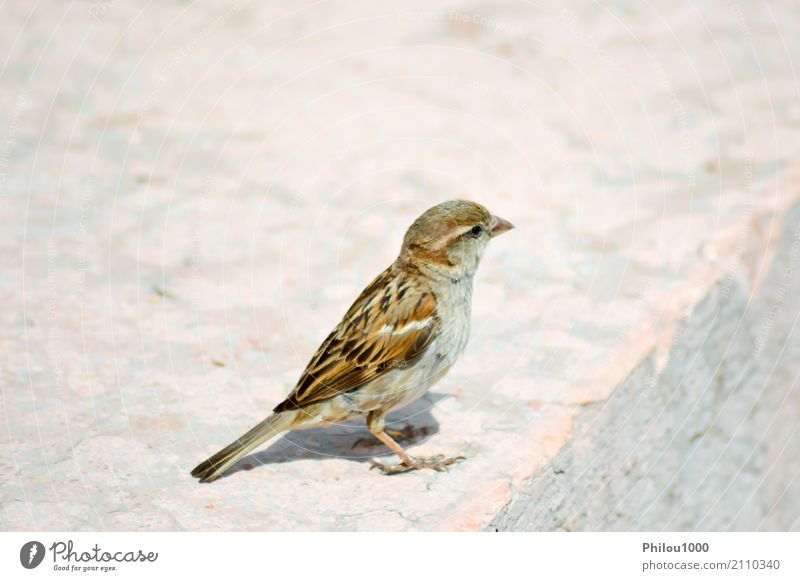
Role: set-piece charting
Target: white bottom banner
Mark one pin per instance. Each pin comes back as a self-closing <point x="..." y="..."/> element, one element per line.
<point x="399" y="556"/>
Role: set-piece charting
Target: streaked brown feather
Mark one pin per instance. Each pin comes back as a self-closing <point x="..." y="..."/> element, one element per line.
<point x="356" y="352"/>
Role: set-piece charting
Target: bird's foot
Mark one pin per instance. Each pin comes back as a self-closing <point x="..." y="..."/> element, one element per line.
<point x="407" y="433"/>
<point x="438" y="463"/>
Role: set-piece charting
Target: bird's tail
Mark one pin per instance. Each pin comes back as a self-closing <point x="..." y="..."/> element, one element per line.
<point x="211" y="469"/>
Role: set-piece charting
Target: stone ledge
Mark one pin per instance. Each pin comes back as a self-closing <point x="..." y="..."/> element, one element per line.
<point x="199" y="213"/>
<point x="704" y="438"/>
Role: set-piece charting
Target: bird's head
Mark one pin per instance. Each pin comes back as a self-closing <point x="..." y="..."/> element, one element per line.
<point x="448" y="240"/>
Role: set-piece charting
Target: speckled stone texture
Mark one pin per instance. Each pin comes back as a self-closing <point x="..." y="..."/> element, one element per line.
<point x="193" y="193"/>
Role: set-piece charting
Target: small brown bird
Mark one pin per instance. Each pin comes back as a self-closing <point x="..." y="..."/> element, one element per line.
<point x="400" y="336"/>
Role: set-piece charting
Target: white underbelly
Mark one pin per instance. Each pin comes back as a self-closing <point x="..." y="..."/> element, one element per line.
<point x="439" y="357"/>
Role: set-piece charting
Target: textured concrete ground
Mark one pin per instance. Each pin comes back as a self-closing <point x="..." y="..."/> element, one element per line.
<point x="193" y="193"/>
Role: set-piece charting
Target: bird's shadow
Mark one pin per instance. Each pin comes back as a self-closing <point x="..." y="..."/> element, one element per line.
<point x="350" y="441"/>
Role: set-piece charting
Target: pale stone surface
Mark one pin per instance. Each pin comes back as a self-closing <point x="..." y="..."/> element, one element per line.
<point x="710" y="442"/>
<point x="195" y="193"/>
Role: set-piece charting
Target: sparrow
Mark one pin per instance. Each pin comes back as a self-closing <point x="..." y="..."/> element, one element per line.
<point x="400" y="336"/>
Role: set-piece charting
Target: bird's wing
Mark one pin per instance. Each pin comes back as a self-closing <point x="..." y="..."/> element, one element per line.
<point x="388" y="326"/>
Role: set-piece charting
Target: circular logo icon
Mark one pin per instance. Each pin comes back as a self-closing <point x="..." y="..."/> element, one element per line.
<point x="31" y="554"/>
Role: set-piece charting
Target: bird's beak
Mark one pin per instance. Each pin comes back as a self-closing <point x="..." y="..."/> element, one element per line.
<point x="498" y="225"/>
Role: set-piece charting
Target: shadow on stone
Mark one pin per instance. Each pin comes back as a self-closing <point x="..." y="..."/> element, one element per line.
<point x="348" y="440"/>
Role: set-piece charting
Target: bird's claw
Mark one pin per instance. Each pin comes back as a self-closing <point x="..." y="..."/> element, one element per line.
<point x="438" y="463"/>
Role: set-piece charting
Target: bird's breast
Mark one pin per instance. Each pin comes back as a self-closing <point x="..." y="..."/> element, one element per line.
<point x="453" y="312"/>
<point x="454" y="308"/>
<point x="405" y="384"/>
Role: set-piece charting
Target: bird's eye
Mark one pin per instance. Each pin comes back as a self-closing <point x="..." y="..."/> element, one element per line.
<point x="476" y="231"/>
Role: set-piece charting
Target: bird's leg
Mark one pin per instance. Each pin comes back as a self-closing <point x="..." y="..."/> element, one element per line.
<point x="400" y="435"/>
<point x="407" y="433"/>
<point x="376" y="424"/>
